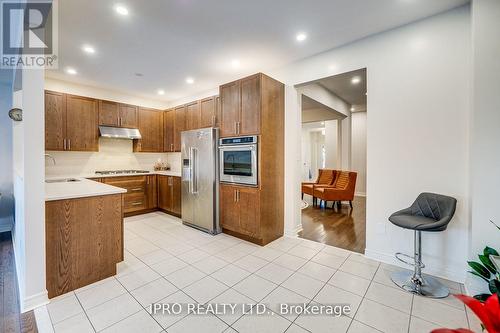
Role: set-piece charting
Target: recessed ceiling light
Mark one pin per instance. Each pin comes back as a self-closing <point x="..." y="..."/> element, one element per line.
<point x="356" y="80"/>
<point x="88" y="49"/>
<point x="71" y="71"/>
<point x="353" y="109"/>
<point x="235" y="63"/>
<point x="161" y="92"/>
<point x="189" y="80"/>
<point x="322" y="123"/>
<point x="301" y="37"/>
<point x="122" y="10"/>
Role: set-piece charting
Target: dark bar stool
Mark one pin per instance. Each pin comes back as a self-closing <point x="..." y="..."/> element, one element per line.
<point x="430" y="212"/>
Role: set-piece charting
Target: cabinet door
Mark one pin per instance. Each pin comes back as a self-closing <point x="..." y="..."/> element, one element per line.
<point x="230" y="108"/>
<point x="249" y="206"/>
<point x="217" y="111"/>
<point x="193" y="116"/>
<point x="250" y="106"/>
<point x="168" y="130"/>
<point x="81" y="124"/>
<point x="128" y="116"/>
<point x="109" y="114"/>
<point x="151" y="128"/>
<point x="179" y="126"/>
<point x="176" y="195"/>
<point x="55" y="120"/>
<point x="164" y="193"/>
<point x="208" y="116"/>
<point x="151" y="192"/>
<point x="229" y="213"/>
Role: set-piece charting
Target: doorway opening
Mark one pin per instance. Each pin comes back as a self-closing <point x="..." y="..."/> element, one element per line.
<point x="334" y="118"/>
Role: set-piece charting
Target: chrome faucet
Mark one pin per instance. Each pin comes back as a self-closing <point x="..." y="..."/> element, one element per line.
<point x="51" y="157"/>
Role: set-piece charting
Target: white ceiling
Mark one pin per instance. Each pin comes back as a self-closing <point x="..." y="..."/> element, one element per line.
<point x="341" y="85"/>
<point x="168" y="41"/>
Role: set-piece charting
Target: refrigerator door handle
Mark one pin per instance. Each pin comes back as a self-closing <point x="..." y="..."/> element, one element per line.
<point x="195" y="170"/>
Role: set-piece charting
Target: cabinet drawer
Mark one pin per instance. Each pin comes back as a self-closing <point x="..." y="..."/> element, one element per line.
<point x="131" y="184"/>
<point x="132" y="203"/>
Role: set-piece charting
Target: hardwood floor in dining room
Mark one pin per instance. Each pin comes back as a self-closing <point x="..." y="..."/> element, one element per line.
<point x="344" y="228"/>
<point x="11" y="320"/>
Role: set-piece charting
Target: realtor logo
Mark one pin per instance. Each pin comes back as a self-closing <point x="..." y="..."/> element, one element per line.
<point x="29" y="34"/>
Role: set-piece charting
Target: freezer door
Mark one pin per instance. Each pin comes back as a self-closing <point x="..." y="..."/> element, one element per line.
<point x="199" y="168"/>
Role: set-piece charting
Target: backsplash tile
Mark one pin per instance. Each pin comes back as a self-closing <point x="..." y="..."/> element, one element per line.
<point x="114" y="154"/>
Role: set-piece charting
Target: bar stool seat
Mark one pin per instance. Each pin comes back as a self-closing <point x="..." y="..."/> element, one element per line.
<point x="431" y="213"/>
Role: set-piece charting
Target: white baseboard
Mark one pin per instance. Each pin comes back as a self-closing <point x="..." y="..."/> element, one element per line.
<point x="293" y="232"/>
<point x="456" y="276"/>
<point x="34" y="301"/>
<point x="360" y="194"/>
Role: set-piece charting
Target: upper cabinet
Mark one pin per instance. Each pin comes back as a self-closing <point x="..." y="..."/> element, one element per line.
<point x="150" y="124"/>
<point x="241" y="107"/>
<point x="168" y="130"/>
<point x="71" y="122"/>
<point x="208" y="112"/>
<point x="179" y="125"/>
<point x="117" y="115"/>
<point x="193" y="115"/>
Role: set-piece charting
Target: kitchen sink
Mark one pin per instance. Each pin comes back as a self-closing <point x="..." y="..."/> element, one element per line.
<point x="63" y="180"/>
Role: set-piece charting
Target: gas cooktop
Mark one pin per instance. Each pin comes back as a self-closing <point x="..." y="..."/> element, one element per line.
<point x="116" y="172"/>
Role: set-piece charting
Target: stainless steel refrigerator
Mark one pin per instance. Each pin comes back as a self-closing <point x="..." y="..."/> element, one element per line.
<point x="200" y="190"/>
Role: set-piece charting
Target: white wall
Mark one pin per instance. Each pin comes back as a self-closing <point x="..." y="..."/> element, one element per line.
<point x="332" y="144"/>
<point x="417" y="130"/>
<point x="485" y="135"/>
<point x="6" y="184"/>
<point x="358" y="150"/>
<point x="29" y="191"/>
<point x="114" y="154"/>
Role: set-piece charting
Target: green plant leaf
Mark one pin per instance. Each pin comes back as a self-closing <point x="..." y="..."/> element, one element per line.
<point x="492" y="286"/>
<point x="482" y="297"/>
<point x="477" y="274"/>
<point x="480" y="269"/>
<point x="487" y="263"/>
<point x="489" y="251"/>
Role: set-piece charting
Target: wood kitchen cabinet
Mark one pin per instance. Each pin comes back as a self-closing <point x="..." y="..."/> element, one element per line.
<point x="117" y="115"/>
<point x="168" y="130"/>
<point x="83" y="241"/>
<point x="208" y="112"/>
<point x="241" y="107"/>
<point x="55" y="121"/>
<point x="240" y="210"/>
<point x="179" y="125"/>
<point x="71" y="122"/>
<point x="150" y="124"/>
<point x="169" y="194"/>
<point x="193" y="116"/>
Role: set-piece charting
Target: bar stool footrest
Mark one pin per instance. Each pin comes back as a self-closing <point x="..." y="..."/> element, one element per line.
<point x="401" y="255"/>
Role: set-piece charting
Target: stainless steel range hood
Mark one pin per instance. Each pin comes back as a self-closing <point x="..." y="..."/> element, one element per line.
<point x="119" y="133"/>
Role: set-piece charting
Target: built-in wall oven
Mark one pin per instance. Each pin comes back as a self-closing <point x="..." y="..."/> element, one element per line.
<point x="238" y="160"/>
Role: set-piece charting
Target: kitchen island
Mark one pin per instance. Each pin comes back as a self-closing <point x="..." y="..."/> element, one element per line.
<point x="83" y="231"/>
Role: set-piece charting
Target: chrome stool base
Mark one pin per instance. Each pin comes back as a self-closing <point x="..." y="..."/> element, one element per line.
<point x="424" y="286"/>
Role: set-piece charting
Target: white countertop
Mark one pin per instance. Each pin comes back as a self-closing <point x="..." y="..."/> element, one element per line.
<point x="80" y="189"/>
<point x="89" y="188"/>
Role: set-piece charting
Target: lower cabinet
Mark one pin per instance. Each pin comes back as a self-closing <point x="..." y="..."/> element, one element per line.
<point x="240" y="210"/>
<point x="169" y="194"/>
<point x="83" y="241"/>
<point x="141" y="192"/>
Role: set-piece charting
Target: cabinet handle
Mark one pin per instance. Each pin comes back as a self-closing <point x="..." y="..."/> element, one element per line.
<point x="136" y="203"/>
<point x="69" y="144"/>
<point x="136" y="189"/>
<point x="119" y="120"/>
<point x="171" y="147"/>
<point x="64" y="144"/>
<point x="238" y="127"/>
<point x="235" y="195"/>
<point x="147" y="178"/>
<point x="213" y="121"/>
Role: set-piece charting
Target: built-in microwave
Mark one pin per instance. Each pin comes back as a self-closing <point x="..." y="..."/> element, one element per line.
<point x="238" y="160"/>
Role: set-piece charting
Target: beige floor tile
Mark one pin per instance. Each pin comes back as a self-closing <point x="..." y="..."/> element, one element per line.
<point x="329" y="260"/>
<point x="100" y="293"/>
<point x="289" y="261"/>
<point x="359" y="269"/>
<point x="377" y="315"/>
<point x="418" y="325"/>
<point x="303" y="252"/>
<point x="230" y="275"/>
<point x="303" y="285"/>
<point x="255" y="287"/>
<point x="262" y="324"/>
<point x="436" y="312"/>
<point x="317" y="271"/>
<point x="139" y="322"/>
<point x="324" y="323"/>
<point x="167" y="318"/>
<point x="63" y="308"/>
<point x="349" y="282"/>
<point x="155" y="257"/>
<point x="199" y="323"/>
<point x="333" y="295"/>
<point x="396" y="299"/>
<point x="231" y="296"/>
<point x="75" y="324"/>
<point x="274" y="273"/>
<point x="185" y="276"/>
<point x="138" y="278"/>
<point x="280" y="296"/>
<point x="168" y="266"/>
<point x="205" y="289"/>
<point x="210" y="264"/>
<point x="267" y="253"/>
<point x="193" y="256"/>
<point x="251" y="263"/>
<point x="357" y="327"/>
<point x="113" y="311"/>
<point x="153" y="292"/>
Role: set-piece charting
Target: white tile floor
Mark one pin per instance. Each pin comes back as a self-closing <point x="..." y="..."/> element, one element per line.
<point x="167" y="262"/>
